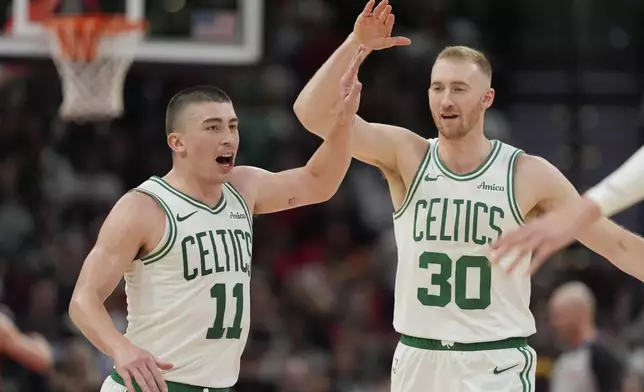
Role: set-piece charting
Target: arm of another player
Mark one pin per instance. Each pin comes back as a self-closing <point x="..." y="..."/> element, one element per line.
<point x="120" y="239"/>
<point x="317" y="104"/>
<point x="32" y="351"/>
<point x="552" y="191"/>
<point x="320" y="179"/>
<point x="548" y="234"/>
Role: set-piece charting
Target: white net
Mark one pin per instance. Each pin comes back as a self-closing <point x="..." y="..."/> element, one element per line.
<point x="92" y="64"/>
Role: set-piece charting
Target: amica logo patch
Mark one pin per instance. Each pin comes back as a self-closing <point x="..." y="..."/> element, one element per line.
<point x="491" y="187"/>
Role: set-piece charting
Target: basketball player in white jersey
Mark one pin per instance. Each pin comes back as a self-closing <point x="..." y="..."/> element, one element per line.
<point x="546" y="235"/>
<point x="184" y="243"/>
<point x="463" y="323"/>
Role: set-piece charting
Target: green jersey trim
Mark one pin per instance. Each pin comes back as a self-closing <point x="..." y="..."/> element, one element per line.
<point x="414" y="183"/>
<point x="439" y="345"/>
<point x="172" y="236"/>
<point x="221" y="204"/>
<point x="172" y="386"/>
<point x="494" y="152"/>
<point x="512" y="200"/>
<point x="241" y="200"/>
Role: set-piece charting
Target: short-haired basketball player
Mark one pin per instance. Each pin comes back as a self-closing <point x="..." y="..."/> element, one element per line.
<point x="551" y="232"/>
<point x="31" y="351"/>
<point x="464" y="324"/>
<point x="184" y="244"/>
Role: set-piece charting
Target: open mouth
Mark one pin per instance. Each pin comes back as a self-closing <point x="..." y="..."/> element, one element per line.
<point x="225" y="160"/>
<point x="449" y="116"/>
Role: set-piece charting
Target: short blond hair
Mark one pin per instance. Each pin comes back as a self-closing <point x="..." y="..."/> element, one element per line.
<point x="467" y="54"/>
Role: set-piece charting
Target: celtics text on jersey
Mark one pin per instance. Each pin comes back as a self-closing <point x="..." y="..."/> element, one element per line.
<point x="188" y="300"/>
<point x="446" y="288"/>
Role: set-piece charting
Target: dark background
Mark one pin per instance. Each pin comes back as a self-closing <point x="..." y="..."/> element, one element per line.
<point x="568" y="76"/>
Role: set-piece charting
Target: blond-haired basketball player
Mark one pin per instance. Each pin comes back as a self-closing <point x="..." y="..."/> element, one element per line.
<point x="184" y="244"/>
<point x="463" y="323"/>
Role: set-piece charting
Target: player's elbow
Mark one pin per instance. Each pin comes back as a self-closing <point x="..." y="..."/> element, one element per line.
<point x="80" y="300"/>
<point x="308" y="118"/>
<point x="324" y="190"/>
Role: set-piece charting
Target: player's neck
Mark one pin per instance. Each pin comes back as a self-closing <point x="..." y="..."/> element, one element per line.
<point x="206" y="192"/>
<point x="466" y="154"/>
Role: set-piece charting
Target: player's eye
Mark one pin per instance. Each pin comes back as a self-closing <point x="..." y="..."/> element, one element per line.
<point x="233" y="127"/>
<point x="459" y="89"/>
<point x="437" y="88"/>
<point x="213" y="128"/>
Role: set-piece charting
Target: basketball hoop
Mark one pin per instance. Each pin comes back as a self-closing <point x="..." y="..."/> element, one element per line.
<point x="93" y="54"/>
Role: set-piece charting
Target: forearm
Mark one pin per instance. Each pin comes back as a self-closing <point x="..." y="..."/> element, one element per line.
<point x="316" y="105"/>
<point x="628" y="258"/>
<point x="618" y="245"/>
<point x="621" y="189"/>
<point x="88" y="313"/>
<point x="328" y="166"/>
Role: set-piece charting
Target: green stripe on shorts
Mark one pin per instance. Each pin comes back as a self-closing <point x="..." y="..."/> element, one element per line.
<point x="172" y="386"/>
<point x="524" y="376"/>
<point x="432" y="344"/>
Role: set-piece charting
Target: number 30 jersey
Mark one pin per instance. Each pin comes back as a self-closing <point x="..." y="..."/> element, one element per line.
<point x="188" y="300"/>
<point x="445" y="287"/>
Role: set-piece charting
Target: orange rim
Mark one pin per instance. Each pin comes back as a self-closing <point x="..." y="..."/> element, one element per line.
<point x="79" y="36"/>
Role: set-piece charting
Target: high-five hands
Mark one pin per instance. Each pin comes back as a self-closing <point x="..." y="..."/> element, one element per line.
<point x="350" y="88"/>
<point x="373" y="27"/>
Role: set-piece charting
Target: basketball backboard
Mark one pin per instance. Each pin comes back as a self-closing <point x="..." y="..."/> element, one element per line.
<point x="180" y="31"/>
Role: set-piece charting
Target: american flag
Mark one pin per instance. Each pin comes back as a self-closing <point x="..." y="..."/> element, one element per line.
<point x="214" y="25"/>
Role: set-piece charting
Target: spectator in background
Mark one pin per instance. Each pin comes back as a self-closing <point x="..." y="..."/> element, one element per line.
<point x="31" y="351"/>
<point x="589" y="364"/>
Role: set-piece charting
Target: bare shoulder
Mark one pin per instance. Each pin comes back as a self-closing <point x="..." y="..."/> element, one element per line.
<point x="244" y="179"/>
<point x="136" y="220"/>
<point x="540" y="185"/>
<point x="533" y="165"/>
<point x="134" y="205"/>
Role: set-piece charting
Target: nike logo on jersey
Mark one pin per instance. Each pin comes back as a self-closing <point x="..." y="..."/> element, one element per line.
<point x="430" y="178"/>
<point x="499" y="371"/>
<point x="182" y="218"/>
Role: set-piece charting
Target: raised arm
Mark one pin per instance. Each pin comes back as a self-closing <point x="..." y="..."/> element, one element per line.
<point x="551" y="192"/>
<point x="122" y="236"/>
<point x="31" y="351"/>
<point x="320" y="178"/>
<point x="317" y="104"/>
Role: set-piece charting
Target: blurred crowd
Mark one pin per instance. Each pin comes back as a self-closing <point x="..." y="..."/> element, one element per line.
<point x="322" y="294"/>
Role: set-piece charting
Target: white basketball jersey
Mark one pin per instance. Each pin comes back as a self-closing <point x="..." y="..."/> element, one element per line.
<point x="446" y="288"/>
<point x="188" y="300"/>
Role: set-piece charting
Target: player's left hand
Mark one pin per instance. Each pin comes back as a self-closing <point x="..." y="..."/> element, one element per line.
<point x="543" y="236"/>
<point x="350" y="87"/>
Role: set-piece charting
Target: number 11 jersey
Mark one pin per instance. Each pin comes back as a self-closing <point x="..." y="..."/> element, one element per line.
<point x="445" y="287"/>
<point x="188" y="300"/>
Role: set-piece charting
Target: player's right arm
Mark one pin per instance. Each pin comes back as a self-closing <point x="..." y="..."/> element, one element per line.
<point x="120" y="239"/>
<point x="317" y="104"/>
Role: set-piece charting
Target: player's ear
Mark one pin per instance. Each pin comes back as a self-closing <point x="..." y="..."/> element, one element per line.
<point x="488" y="98"/>
<point x="175" y="141"/>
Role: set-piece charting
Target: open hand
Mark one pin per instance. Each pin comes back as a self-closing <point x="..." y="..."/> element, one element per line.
<point x="543" y="236"/>
<point x="373" y="27"/>
<point x="350" y="87"/>
<point x="135" y="364"/>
